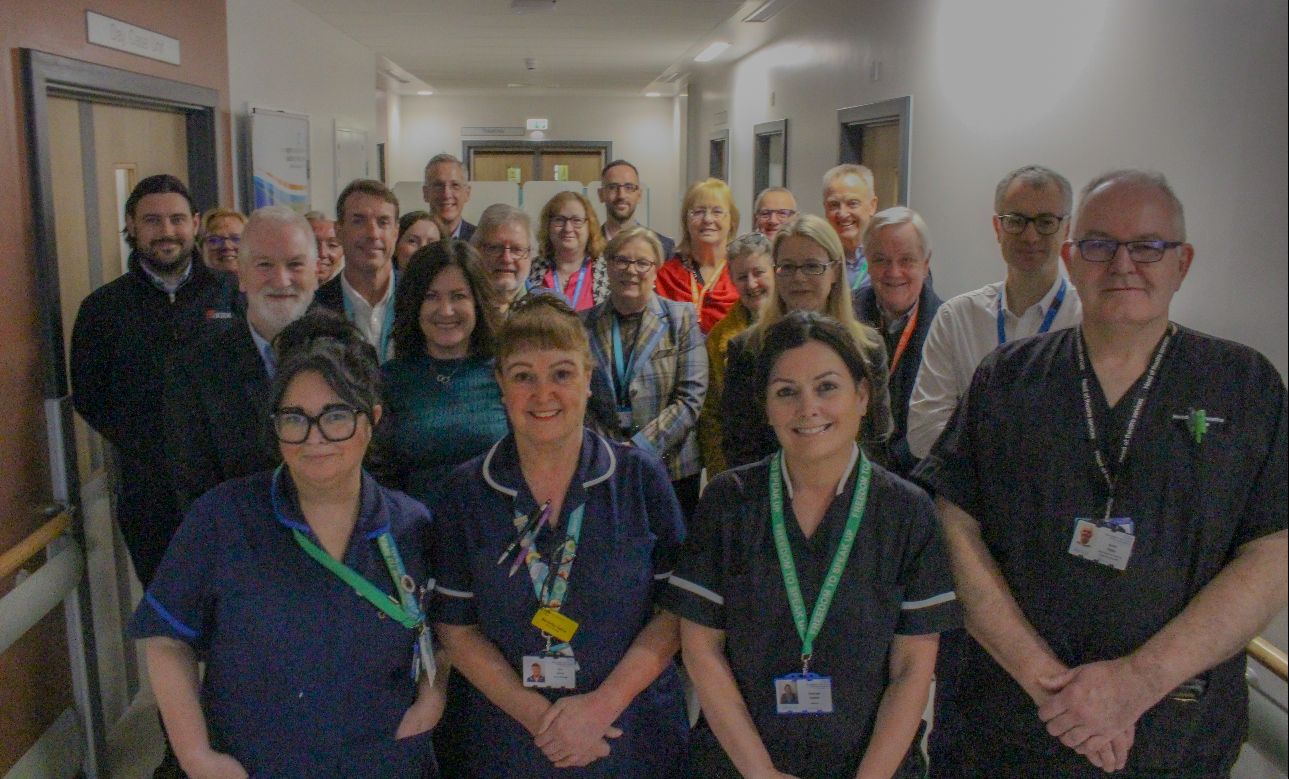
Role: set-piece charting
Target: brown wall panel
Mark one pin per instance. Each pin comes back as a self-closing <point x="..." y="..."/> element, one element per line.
<point x="34" y="680"/>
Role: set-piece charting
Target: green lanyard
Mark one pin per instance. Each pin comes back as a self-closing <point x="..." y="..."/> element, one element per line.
<point x="808" y="633"/>
<point x="409" y="618"/>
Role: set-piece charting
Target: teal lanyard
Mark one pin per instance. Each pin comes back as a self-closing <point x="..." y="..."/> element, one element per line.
<point x="860" y="273"/>
<point x="623" y="372"/>
<point x="382" y="350"/>
<point x="581" y="280"/>
<point x="550" y="594"/>
<point x="808" y="632"/>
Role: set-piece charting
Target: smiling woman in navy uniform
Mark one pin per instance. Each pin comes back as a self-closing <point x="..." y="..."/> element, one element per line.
<point x="839" y="591"/>
<point x="560" y="528"/>
<point x="298" y="588"/>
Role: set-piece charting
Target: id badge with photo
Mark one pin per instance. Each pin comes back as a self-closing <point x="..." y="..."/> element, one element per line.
<point x="1107" y="542"/>
<point x="806" y="693"/>
<point x="549" y="672"/>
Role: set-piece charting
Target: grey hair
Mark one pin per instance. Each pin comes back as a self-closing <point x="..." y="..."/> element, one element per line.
<point x="850" y="169"/>
<point x="1136" y="177"/>
<point x="441" y="158"/>
<point x="281" y="217"/>
<point x="497" y="216"/>
<point x="769" y="191"/>
<point x="1039" y="177"/>
<point x="317" y="216"/>
<point x="747" y="245"/>
<point x="891" y="217"/>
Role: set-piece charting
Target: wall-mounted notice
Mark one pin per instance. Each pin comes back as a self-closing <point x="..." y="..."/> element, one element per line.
<point x="280" y="159"/>
<point x="123" y="36"/>
<point x="561" y="173"/>
<point x="515" y="132"/>
<point x="514" y="175"/>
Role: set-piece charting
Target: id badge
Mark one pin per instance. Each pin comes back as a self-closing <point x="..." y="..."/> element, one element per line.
<point x="549" y="672"/>
<point x="1106" y="542"/>
<point x="806" y="693"/>
<point x="624" y="419"/>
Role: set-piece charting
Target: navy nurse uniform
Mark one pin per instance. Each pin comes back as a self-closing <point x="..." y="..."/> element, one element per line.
<point x="631" y="532"/>
<point x="304" y="678"/>
<point x="897" y="582"/>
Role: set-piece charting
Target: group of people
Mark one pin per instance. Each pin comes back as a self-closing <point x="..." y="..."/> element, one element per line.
<point x="449" y="508"/>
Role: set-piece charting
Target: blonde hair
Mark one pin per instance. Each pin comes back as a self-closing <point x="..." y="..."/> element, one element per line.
<point x="214" y="215"/>
<point x="594" y="238"/>
<point x="625" y="237"/>
<point x="838" y="305"/>
<point x="712" y="187"/>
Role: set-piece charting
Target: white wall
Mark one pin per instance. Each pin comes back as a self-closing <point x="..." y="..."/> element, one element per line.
<point x="643" y="130"/>
<point x="1189" y="87"/>
<point x="285" y="58"/>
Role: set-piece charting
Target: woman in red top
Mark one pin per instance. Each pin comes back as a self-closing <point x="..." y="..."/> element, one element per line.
<point x="697" y="274"/>
<point x="571" y="260"/>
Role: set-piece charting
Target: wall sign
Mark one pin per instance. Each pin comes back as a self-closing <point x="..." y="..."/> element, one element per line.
<point x="279" y="159"/>
<point x="494" y="131"/>
<point x="123" y="36"/>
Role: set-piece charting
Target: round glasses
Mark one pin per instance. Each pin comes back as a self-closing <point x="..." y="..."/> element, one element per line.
<point x="336" y="423"/>
<point x="1045" y="224"/>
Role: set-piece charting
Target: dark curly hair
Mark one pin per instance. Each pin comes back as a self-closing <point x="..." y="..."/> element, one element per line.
<point x="325" y="343"/>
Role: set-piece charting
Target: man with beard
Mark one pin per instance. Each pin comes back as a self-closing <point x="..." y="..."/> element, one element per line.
<point x="216" y="395"/>
<point x="620" y="193"/>
<point x="124" y="339"/>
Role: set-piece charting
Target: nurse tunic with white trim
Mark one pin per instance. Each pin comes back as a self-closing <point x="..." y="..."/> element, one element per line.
<point x="897" y="582"/>
<point x="632" y="530"/>
<point x="304" y="677"/>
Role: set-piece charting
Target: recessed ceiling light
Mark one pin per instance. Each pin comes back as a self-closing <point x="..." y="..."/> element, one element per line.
<point x="424" y="92"/>
<point x="711" y="52"/>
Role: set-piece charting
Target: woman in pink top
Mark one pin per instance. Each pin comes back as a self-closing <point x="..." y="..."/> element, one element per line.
<point x="571" y="261"/>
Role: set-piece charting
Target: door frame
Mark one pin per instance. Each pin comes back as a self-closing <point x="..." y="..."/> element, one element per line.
<point x="537" y="148"/>
<point x="899" y="109"/>
<point x="47" y="75"/>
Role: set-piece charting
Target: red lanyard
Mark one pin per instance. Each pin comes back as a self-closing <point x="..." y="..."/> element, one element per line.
<point x="905" y="337"/>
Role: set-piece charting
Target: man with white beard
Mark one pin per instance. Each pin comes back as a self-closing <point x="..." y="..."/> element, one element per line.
<point x="216" y="404"/>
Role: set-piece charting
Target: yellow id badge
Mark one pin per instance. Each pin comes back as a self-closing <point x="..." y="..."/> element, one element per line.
<point x="554" y="624"/>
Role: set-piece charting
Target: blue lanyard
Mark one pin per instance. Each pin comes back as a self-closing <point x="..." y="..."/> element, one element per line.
<point x="382" y="350"/>
<point x="581" y="279"/>
<point x="623" y="373"/>
<point x="1047" y="320"/>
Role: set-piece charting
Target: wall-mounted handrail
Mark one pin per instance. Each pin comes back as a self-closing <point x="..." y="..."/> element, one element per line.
<point x="32" y="545"/>
<point x="1269" y="655"/>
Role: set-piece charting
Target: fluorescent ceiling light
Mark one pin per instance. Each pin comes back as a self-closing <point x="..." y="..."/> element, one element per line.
<point x="653" y="94"/>
<point x="424" y="92"/>
<point x="711" y="52"/>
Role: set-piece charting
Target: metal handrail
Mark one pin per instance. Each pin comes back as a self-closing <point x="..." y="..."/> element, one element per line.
<point x="32" y="545"/>
<point x="1269" y="655"/>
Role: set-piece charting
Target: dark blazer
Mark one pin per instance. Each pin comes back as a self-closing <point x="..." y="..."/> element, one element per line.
<point x="217" y="413"/>
<point x="901" y="382"/>
<point x="331" y="295"/>
<point x="467" y="231"/>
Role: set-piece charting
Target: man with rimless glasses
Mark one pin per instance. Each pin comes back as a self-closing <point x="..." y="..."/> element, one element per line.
<point x="1113" y="498"/>
<point x="620" y="192"/>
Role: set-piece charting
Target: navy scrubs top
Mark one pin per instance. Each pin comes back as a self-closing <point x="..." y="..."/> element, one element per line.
<point x="897" y="582"/>
<point x="632" y="530"/>
<point x="304" y="678"/>
<point x="1016" y="457"/>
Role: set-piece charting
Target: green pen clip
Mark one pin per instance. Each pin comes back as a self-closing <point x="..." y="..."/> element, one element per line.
<point x="1197" y="422"/>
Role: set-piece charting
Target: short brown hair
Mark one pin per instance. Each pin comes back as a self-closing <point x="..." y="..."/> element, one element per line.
<point x="538" y="321"/>
<point x="366" y="187"/>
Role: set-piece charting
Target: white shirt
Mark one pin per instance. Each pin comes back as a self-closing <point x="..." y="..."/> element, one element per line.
<point x="369" y="319"/>
<point x="964" y="332"/>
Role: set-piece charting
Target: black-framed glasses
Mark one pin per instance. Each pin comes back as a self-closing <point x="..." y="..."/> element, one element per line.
<point x="808" y="268"/>
<point x="1045" y="224"/>
<point x="576" y="222"/>
<point x="782" y="213"/>
<point x="614" y="188"/>
<point x="498" y="250"/>
<point x="623" y="262"/>
<point x="1104" y="249"/>
<point x="336" y="422"/>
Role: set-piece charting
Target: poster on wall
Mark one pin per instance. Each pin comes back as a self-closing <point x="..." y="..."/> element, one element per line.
<point x="280" y="159"/>
<point x="351" y="156"/>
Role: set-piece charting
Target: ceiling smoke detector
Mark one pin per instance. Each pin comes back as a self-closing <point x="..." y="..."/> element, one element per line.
<point x="531" y="6"/>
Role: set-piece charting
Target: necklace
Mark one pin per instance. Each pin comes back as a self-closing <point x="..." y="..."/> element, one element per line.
<point x="446" y="378"/>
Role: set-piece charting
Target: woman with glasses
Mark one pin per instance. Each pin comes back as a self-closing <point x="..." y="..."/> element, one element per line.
<point x="415" y="229"/>
<point x="442" y="400"/>
<point x="753" y="276"/>
<point x="572" y="246"/>
<point x="301" y="590"/>
<point x="652" y="351"/>
<point x="697" y="274"/>
<point x="809" y="276"/>
<point x="553" y="545"/>
<point x="221" y="238"/>
<point x="813" y="587"/>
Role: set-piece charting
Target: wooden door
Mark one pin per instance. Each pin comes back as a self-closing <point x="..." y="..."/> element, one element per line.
<point x="583" y="166"/>
<point x="514" y="166"/>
